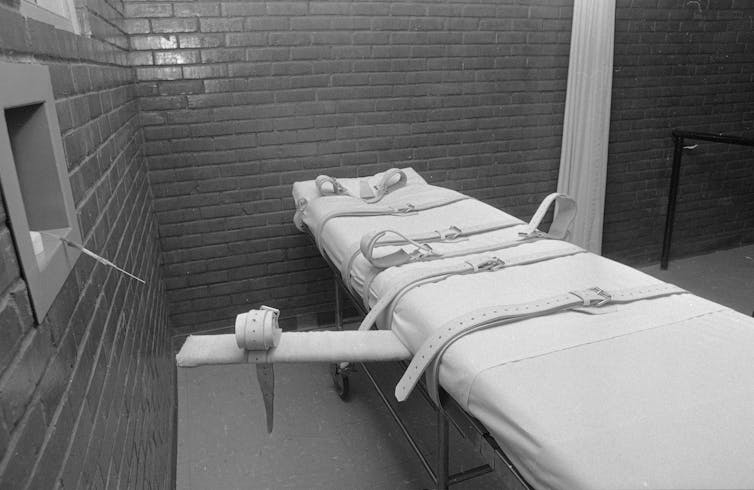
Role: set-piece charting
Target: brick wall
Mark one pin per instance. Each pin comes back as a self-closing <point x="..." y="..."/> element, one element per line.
<point x="690" y="65"/>
<point x="86" y="396"/>
<point x="240" y="99"/>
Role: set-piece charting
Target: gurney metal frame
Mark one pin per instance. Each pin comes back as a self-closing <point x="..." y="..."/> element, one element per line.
<point x="447" y="412"/>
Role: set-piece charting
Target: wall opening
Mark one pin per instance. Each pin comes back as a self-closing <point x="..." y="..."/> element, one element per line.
<point x="34" y="179"/>
<point x="41" y="194"/>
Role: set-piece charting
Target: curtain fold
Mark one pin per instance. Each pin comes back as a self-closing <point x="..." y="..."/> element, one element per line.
<point x="586" y="125"/>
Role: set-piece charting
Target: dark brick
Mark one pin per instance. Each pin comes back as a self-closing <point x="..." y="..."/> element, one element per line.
<point x="162" y="73"/>
<point x="174" y="25"/>
<point x="209" y="71"/>
<point x="137" y="58"/>
<point x="16" y="391"/>
<point x="176" y="57"/>
<point x="62" y="79"/>
<point x="242" y="9"/>
<point x="154" y="42"/>
<point x="221" y="24"/>
<point x="196" y="9"/>
<point x="148" y="9"/>
<point x="136" y="26"/>
<point x="287" y="8"/>
<point x="23" y="454"/>
<point x="9" y="265"/>
<point x="11" y="332"/>
<point x="246" y="39"/>
<point x="180" y="87"/>
<point x="12" y="27"/>
<point x="44" y="40"/>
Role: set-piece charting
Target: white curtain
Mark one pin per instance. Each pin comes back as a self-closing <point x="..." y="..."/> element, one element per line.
<point x="583" y="158"/>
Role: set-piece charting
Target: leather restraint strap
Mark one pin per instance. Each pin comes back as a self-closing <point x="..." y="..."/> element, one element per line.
<point x="487" y="264"/>
<point x="449" y="235"/>
<point x="368" y="194"/>
<point x="421" y="242"/>
<point x="336" y="189"/>
<point x="258" y="329"/>
<point x="562" y="220"/>
<point x="434" y="347"/>
<point x="369" y="210"/>
<point x="565" y="213"/>
<point x="391" y="179"/>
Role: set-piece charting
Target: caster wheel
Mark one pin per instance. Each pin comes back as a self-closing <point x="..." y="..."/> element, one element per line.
<point x="340" y="381"/>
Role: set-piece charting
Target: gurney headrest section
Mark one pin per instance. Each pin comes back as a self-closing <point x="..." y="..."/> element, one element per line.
<point x="370" y="190"/>
<point x="258" y="329"/>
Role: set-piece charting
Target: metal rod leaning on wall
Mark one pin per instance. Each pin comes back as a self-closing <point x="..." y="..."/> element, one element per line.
<point x="678" y="139"/>
<point x="672" y="198"/>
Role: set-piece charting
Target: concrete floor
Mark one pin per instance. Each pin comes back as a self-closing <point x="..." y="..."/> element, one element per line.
<point x="726" y="277"/>
<point x="320" y="441"/>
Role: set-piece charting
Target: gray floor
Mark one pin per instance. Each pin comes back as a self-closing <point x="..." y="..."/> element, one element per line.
<point x="321" y="442"/>
<point x="726" y="277"/>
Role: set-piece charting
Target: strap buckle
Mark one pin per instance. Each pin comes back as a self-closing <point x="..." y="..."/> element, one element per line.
<point x="274" y="311"/>
<point x="593" y="296"/>
<point x="532" y="234"/>
<point x="489" y="265"/>
<point x="424" y="250"/>
<point x="451" y="234"/>
<point x="406" y="210"/>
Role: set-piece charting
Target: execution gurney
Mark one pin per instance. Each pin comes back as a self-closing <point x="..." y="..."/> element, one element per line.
<point x="587" y="373"/>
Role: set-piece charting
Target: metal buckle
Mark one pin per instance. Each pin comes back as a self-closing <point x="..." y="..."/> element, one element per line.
<point x="406" y="210"/>
<point x="593" y="296"/>
<point x="490" y="265"/>
<point x="451" y="234"/>
<point x="424" y="250"/>
<point x="270" y="308"/>
<point x="532" y="234"/>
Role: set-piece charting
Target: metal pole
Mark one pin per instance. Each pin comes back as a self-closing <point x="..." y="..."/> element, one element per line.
<point x="672" y="198"/>
<point x="402" y="426"/>
<point x="338" y="305"/>
<point x="443" y="449"/>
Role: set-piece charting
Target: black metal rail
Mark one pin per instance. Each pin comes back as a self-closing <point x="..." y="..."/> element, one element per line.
<point x="679" y="137"/>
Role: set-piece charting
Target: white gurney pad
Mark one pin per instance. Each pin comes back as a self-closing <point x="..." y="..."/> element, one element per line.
<point x="657" y="393"/>
<point x="323" y="346"/>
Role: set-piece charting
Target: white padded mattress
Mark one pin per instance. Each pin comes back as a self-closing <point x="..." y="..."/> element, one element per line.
<point x="653" y="394"/>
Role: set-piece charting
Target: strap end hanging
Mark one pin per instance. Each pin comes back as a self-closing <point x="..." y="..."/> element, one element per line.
<point x="365" y="190"/>
<point x="266" y="379"/>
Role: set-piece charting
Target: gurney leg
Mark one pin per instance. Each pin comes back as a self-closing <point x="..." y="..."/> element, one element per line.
<point x="339" y="371"/>
<point x="340" y="380"/>
<point x="338" y="305"/>
<point x="266" y="378"/>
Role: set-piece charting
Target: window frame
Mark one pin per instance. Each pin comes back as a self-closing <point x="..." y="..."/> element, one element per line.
<point x="26" y="85"/>
<point x="69" y="23"/>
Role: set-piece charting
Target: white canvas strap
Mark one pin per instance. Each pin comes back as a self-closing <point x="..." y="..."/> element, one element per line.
<point x="369" y="210"/>
<point x="451" y="234"/>
<point x="562" y="219"/>
<point x="258" y="329"/>
<point x="422" y="251"/>
<point x="564" y="214"/>
<point x="433" y="348"/>
<point x="486" y="264"/>
<point x="389" y="181"/>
